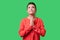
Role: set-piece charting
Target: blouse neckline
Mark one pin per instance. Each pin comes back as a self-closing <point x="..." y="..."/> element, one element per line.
<point x="29" y="19"/>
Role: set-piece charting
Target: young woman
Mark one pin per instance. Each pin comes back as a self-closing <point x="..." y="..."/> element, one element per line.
<point x="31" y="27"/>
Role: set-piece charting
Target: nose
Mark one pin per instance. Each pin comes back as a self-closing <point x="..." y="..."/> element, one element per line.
<point x="31" y="8"/>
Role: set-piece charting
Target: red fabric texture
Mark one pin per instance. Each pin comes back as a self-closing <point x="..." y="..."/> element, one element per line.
<point x="28" y="32"/>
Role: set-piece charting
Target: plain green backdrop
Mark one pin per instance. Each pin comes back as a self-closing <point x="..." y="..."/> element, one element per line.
<point x="12" y="12"/>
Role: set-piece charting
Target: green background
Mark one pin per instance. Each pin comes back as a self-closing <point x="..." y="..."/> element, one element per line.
<point x="12" y="12"/>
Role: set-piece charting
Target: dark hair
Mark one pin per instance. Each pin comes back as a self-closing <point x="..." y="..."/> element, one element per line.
<point x="32" y="3"/>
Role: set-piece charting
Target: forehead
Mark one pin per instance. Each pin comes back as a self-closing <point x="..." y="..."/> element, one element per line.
<point x="31" y="5"/>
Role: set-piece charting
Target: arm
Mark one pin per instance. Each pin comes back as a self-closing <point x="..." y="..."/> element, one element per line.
<point x="39" y="28"/>
<point x="43" y="31"/>
<point x="36" y="27"/>
<point x="24" y="31"/>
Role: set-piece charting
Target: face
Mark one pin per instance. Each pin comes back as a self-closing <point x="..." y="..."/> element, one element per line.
<point x="31" y="9"/>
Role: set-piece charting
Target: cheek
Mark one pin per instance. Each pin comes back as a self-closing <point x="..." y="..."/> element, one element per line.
<point x="34" y="10"/>
<point x="28" y="10"/>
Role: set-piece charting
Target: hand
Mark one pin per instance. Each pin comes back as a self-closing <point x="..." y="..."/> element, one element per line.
<point x="31" y="21"/>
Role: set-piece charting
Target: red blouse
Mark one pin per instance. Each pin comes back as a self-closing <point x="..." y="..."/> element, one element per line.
<point x="28" y="32"/>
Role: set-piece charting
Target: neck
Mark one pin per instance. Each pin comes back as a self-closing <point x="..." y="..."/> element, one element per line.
<point x="32" y="16"/>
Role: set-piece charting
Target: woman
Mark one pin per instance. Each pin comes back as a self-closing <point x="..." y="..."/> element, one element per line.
<point x="31" y="27"/>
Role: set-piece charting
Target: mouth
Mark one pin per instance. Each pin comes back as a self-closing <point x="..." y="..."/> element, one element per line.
<point x="30" y="11"/>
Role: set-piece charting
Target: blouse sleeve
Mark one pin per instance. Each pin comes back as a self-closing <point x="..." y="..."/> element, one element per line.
<point x="43" y="31"/>
<point x="39" y="28"/>
<point x="24" y="31"/>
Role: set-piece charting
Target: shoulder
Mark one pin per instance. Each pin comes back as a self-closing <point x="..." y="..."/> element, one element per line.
<point x="39" y="19"/>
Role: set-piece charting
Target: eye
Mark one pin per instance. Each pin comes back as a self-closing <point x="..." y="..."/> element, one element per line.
<point x="33" y="7"/>
<point x="28" y="7"/>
